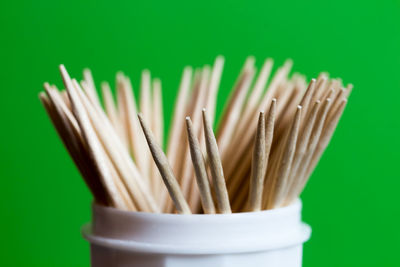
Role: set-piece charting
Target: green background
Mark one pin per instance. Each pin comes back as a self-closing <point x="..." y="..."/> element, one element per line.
<point x="352" y="199"/>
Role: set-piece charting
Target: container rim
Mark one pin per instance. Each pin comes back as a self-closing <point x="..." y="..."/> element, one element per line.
<point x="244" y="232"/>
<point x="295" y="205"/>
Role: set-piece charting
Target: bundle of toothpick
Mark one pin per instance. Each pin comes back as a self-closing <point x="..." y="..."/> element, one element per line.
<point x="271" y="135"/>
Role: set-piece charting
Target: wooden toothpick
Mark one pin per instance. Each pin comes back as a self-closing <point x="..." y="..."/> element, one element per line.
<point x="119" y="156"/>
<point x="257" y="167"/>
<point x="165" y="170"/>
<point x="301" y="149"/>
<point x="216" y="167"/>
<point x="90" y="88"/>
<point x="92" y="142"/>
<point x="200" y="169"/>
<point x="177" y="125"/>
<point x="285" y="163"/>
<point x="312" y="144"/>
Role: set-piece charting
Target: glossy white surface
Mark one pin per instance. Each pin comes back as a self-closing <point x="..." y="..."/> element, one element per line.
<point x="267" y="238"/>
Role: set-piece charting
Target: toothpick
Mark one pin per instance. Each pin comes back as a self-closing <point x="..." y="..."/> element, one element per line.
<point x="320" y="86"/>
<point x="336" y="103"/>
<point x="112" y="113"/>
<point x="145" y="109"/>
<point x="230" y="120"/>
<point x="63" y="111"/>
<point x="134" y="134"/>
<point x="216" y="167"/>
<point x="90" y="88"/>
<point x="176" y="127"/>
<point x="110" y="106"/>
<point x="200" y="169"/>
<point x="197" y="93"/>
<point x="215" y="79"/>
<point x="138" y="191"/>
<point x="158" y="122"/>
<point x="269" y="131"/>
<point x="122" y="113"/>
<point x="284" y="166"/>
<point x="305" y="101"/>
<point x="315" y="135"/>
<point x="165" y="170"/>
<point x="145" y="96"/>
<point x="158" y="129"/>
<point x="302" y="146"/>
<point x="64" y="96"/>
<point x="237" y="88"/>
<point x="257" y="167"/>
<point x="258" y="89"/>
<point x="93" y="144"/>
<point x="246" y="124"/>
<point x="187" y="173"/>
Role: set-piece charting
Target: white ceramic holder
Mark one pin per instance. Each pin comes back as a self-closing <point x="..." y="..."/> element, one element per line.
<point x="272" y="238"/>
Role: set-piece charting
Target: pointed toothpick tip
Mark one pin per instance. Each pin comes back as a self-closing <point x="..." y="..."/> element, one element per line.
<point x="120" y="74"/>
<point x="42" y="95"/>
<point x="46" y="85"/>
<point x="146" y="72"/>
<point x="140" y="116"/>
<point x="220" y="58"/>
<point x="288" y="62"/>
<point x="188" y="69"/>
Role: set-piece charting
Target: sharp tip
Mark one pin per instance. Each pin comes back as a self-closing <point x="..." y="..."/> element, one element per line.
<point x="289" y="61"/>
<point x="62" y="68"/>
<point x="157" y="82"/>
<point x="41" y="95"/>
<point x="220" y="58"/>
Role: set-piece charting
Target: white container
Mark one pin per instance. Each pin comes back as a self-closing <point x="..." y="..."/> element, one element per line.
<point x="272" y="238"/>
